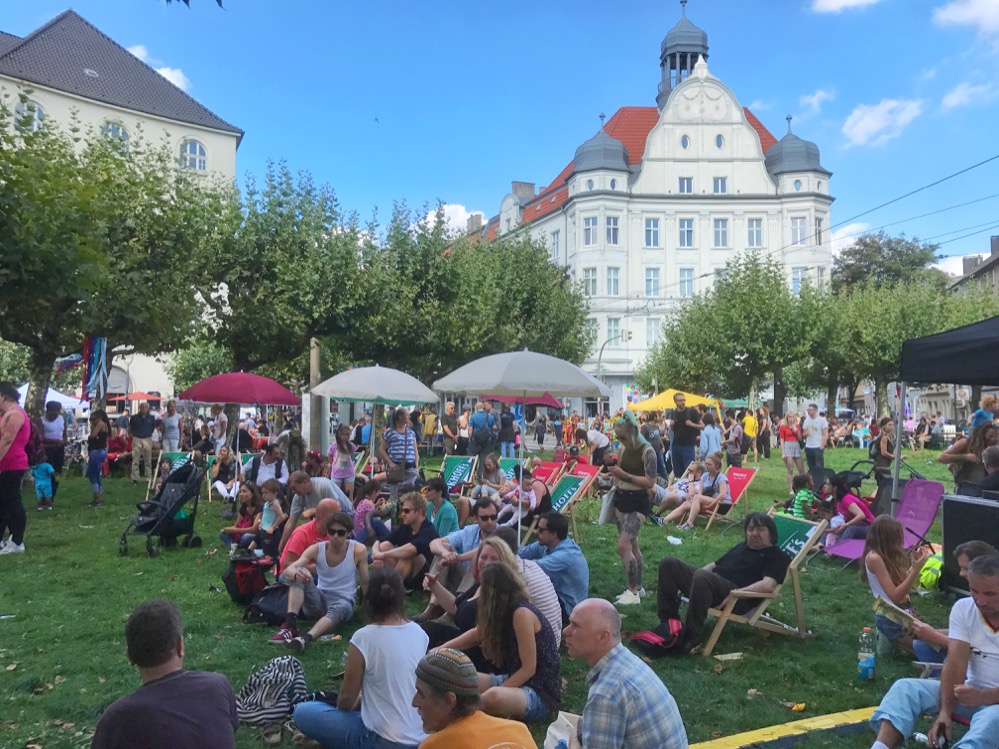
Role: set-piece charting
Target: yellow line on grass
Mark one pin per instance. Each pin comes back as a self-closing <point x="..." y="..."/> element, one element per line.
<point x="796" y="727"/>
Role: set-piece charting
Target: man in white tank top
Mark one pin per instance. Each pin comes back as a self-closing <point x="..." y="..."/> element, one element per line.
<point x="323" y="582"/>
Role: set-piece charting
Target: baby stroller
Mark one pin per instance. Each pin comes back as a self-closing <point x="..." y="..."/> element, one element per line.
<point x="165" y="515"/>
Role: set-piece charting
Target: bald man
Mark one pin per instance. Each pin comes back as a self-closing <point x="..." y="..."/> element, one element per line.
<point x="628" y="705"/>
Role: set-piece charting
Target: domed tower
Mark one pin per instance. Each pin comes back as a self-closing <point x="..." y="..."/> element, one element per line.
<point x="599" y="153"/>
<point x="794" y="164"/>
<point x="680" y="50"/>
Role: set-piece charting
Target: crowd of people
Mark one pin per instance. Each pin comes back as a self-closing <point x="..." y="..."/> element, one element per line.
<point x="485" y="654"/>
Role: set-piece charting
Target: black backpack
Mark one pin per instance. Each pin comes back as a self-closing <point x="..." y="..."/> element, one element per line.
<point x="657" y="642"/>
<point x="269" y="606"/>
<point x="482" y="435"/>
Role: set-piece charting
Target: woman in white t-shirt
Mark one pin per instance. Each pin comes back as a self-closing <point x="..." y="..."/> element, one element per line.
<point x="381" y="660"/>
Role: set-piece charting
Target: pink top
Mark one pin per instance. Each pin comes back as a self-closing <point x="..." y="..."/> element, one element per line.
<point x="361" y="511"/>
<point x="851" y="499"/>
<point x="16" y="458"/>
<point x="341" y="464"/>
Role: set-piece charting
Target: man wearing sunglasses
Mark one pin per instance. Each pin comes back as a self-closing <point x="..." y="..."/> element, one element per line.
<point x="969" y="683"/>
<point x="407" y="550"/>
<point x="341" y="564"/>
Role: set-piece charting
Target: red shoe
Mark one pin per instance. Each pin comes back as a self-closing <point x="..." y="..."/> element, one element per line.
<point x="283" y="636"/>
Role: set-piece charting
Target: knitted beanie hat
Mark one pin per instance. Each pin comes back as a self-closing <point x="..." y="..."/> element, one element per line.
<point x="449" y="670"/>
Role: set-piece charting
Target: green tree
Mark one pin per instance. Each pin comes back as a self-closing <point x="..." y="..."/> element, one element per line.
<point x="95" y="238"/>
<point x="202" y="357"/>
<point x="883" y="260"/>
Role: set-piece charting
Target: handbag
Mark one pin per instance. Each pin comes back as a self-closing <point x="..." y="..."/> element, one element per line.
<point x="397" y="474"/>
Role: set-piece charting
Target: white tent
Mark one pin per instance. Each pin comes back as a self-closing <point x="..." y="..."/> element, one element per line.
<point x="69" y="403"/>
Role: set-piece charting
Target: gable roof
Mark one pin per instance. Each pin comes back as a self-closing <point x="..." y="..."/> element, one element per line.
<point x="631" y="126"/>
<point x="7" y="41"/>
<point x="58" y="54"/>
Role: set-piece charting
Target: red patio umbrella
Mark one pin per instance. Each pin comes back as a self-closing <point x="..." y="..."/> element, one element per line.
<point x="241" y="387"/>
<point x="545" y="399"/>
<point x="137" y="396"/>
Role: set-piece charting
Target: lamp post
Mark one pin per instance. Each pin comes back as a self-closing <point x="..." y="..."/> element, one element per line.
<point x="625" y="336"/>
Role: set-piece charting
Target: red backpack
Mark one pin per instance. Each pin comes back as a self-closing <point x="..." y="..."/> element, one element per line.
<point x="657" y="642"/>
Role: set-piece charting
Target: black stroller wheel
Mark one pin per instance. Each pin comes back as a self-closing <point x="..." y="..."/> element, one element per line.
<point x="195" y="542"/>
<point x="150" y="549"/>
<point x="123" y="546"/>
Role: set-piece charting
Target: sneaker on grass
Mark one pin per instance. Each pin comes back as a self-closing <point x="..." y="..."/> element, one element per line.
<point x="284" y="636"/>
<point x="298" y="644"/>
<point x="11" y="548"/>
<point x="628" y="598"/>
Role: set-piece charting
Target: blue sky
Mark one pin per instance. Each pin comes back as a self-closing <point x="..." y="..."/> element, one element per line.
<point x="419" y="102"/>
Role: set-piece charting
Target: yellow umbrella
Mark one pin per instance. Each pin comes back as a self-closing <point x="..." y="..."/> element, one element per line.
<point x="664" y="401"/>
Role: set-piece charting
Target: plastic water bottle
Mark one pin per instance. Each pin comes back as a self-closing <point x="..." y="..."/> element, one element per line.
<point x="562" y="744"/>
<point x="865" y="655"/>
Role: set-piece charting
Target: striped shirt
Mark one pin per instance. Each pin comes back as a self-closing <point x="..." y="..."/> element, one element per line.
<point x="629" y="706"/>
<point x="542" y="594"/>
<point x="401" y="446"/>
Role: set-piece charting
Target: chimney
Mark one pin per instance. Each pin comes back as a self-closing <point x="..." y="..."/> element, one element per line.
<point x="474" y="223"/>
<point x="523" y="189"/>
<point x="969" y="264"/>
<point x="995" y="246"/>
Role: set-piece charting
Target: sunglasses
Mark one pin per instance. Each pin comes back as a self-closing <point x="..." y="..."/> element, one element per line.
<point x="405" y="511"/>
<point x="484" y="518"/>
<point x="340" y="533"/>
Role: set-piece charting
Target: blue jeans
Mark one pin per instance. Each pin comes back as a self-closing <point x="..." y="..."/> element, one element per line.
<point x="337" y="729"/>
<point x="244" y="542"/>
<point x="95" y="468"/>
<point x="909" y="698"/>
<point x="925" y="653"/>
<point x="506" y="450"/>
<point x="682" y="456"/>
<point x="661" y="465"/>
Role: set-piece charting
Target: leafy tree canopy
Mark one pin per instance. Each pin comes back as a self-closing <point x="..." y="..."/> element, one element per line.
<point x="883" y="260"/>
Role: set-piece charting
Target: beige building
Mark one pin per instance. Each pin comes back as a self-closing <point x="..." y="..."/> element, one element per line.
<point x="70" y="67"/>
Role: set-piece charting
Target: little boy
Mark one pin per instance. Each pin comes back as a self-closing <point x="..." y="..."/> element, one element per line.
<point x="804" y="495"/>
<point x="43" y="473"/>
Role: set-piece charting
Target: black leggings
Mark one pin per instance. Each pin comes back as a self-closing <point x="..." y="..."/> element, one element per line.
<point x="11" y="507"/>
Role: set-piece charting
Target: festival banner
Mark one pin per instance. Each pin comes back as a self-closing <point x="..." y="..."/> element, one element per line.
<point x="566" y="490"/>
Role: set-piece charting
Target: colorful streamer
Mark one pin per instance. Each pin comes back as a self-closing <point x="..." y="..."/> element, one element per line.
<point x="95" y="375"/>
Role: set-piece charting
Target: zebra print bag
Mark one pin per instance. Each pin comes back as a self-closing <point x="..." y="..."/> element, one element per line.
<point x="271" y="693"/>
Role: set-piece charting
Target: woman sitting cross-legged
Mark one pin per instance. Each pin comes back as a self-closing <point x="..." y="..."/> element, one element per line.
<point x="515" y="636"/>
<point x="225" y="474"/>
<point x="713" y="489"/>
<point x="381" y="662"/>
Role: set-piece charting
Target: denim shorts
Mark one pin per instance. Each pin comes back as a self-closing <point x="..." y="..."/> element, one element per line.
<point x="536" y="708"/>
<point x="891" y="630"/>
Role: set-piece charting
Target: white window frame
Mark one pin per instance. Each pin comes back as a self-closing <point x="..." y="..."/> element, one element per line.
<point x="556" y="250"/>
<point x="653" y="285"/>
<point x="613" y="281"/>
<point x="818" y="230"/>
<point x="799" y="231"/>
<point x="652" y="232"/>
<point x="613" y="331"/>
<point x="613" y="230"/>
<point x="754" y="233"/>
<point x="721" y="233"/>
<point x="193" y="155"/>
<point x="686" y="283"/>
<point x="114" y="129"/>
<point x="653" y="330"/>
<point x="30" y="108"/>
<point x="686" y="236"/>
<point x="590" y="281"/>
<point x="590" y="224"/>
<point x="798" y="276"/>
<point x="686" y="185"/>
<point x="720" y="186"/>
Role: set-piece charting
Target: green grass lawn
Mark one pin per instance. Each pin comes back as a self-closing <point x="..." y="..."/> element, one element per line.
<point x="66" y="600"/>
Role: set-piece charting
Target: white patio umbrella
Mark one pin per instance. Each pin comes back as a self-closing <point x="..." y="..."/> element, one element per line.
<point x="522" y="374"/>
<point x="381" y="385"/>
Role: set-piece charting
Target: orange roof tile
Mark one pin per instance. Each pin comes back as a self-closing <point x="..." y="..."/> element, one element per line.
<point x="631" y="126"/>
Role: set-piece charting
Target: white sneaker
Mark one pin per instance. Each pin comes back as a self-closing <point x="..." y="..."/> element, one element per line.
<point x="642" y="592"/>
<point x="628" y="598"/>
<point x="12" y="548"/>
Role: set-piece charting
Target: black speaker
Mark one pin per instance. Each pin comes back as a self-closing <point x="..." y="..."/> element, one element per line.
<point x="965" y="519"/>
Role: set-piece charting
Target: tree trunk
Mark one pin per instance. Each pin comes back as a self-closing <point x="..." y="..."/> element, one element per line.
<point x="780" y="392"/>
<point x="975" y="399"/>
<point x="881" y="396"/>
<point x="832" y="401"/>
<point x="41" y="375"/>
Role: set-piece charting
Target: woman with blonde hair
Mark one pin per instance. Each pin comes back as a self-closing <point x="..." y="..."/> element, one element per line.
<point x="789" y="436"/>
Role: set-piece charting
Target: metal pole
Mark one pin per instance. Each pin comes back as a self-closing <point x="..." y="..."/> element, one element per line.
<point x="897" y="465"/>
<point x="600" y="361"/>
<point x="315" y="408"/>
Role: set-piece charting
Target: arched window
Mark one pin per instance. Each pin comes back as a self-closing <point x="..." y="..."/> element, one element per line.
<point x="685" y="142"/>
<point x="29" y="115"/>
<point x="114" y="130"/>
<point x="193" y="156"/>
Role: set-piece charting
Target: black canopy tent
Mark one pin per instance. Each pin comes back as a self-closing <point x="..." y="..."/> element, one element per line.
<point x="965" y="356"/>
<point x="968" y="355"/>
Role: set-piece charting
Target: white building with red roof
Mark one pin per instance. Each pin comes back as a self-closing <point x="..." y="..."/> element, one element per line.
<point x="651" y="209"/>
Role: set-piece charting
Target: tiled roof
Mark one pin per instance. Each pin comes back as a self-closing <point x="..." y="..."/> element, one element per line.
<point x="7" y="41"/>
<point x="67" y="52"/>
<point x="631" y="126"/>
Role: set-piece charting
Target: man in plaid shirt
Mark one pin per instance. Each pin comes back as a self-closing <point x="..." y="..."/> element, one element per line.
<point x="628" y="705"/>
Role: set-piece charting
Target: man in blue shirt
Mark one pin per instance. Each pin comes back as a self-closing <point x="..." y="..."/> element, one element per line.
<point x="627" y="704"/>
<point x="480" y="437"/>
<point x="561" y="559"/>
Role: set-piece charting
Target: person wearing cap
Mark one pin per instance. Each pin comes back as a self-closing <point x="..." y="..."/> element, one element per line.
<point x="447" y="699"/>
<point x="627" y="704"/>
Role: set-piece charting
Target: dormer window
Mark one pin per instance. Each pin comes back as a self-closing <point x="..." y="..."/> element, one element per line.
<point x="193" y="156"/>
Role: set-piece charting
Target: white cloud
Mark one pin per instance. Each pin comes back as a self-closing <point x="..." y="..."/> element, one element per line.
<point x="928" y="75"/>
<point x="836" y="6"/>
<point x="876" y="124"/>
<point x="758" y="105"/>
<point x="455" y="216"/>
<point x="174" y="75"/>
<point x="814" y="101"/>
<point x="845" y="236"/>
<point x="966" y="93"/>
<point x="953" y="265"/>
<point x="982" y="14"/>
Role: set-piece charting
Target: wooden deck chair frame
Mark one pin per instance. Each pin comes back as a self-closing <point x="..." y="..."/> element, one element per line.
<point x="362" y="458"/>
<point x="758" y="617"/>
<point x="588" y="471"/>
<point x="557" y="473"/>
<point x="741" y="498"/>
<point x="569" y="507"/>
<point x="174" y="456"/>
<point x="243" y="458"/>
<point x="471" y="471"/>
